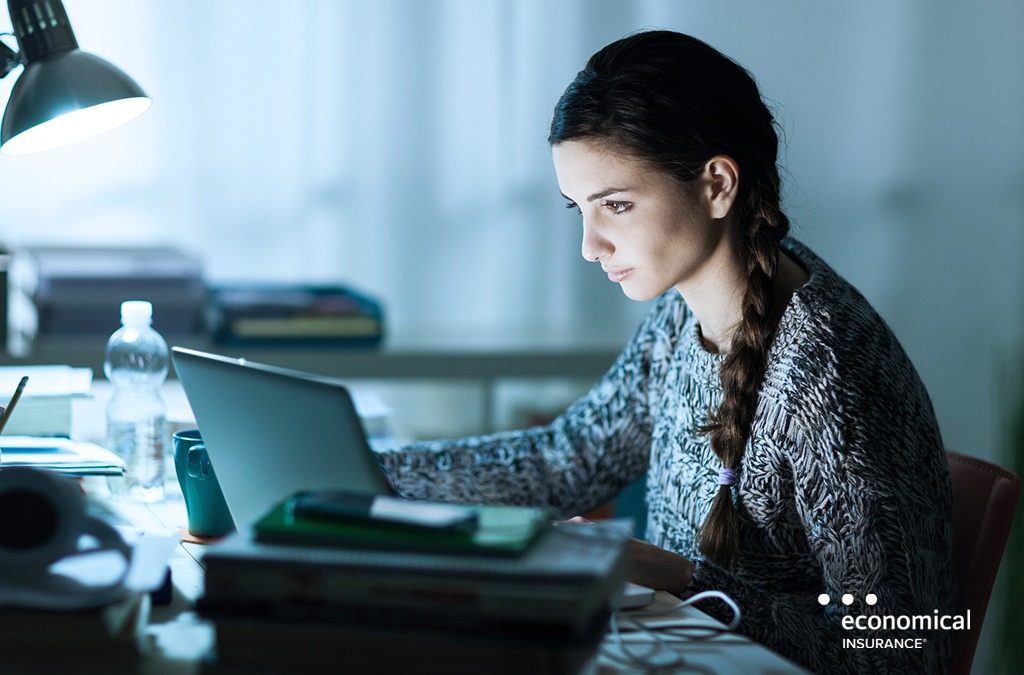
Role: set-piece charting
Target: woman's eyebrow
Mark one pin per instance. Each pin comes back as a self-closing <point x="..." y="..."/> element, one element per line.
<point x="602" y="193"/>
<point x="606" y="192"/>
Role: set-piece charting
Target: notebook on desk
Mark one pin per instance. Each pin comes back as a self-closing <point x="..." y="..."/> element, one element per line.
<point x="271" y="432"/>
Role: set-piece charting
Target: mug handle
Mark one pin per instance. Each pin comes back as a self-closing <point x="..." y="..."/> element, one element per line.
<point x="199" y="462"/>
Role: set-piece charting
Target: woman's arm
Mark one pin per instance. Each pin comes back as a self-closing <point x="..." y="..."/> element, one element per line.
<point x="579" y="461"/>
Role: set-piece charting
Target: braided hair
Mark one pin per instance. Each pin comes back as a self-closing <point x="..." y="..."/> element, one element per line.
<point x="675" y="102"/>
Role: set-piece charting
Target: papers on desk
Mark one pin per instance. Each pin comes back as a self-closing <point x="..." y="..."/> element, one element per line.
<point x="60" y="454"/>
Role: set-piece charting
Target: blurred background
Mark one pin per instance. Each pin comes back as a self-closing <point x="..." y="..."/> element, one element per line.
<point x="399" y="146"/>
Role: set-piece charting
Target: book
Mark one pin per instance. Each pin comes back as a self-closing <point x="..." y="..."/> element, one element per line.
<point x="564" y="583"/>
<point x="296" y="646"/>
<point x="499" y="530"/>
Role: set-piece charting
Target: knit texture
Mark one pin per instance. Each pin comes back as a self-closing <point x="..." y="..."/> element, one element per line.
<point x="843" y="487"/>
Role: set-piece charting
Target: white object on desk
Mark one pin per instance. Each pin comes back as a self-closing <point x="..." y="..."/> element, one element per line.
<point x="635" y="596"/>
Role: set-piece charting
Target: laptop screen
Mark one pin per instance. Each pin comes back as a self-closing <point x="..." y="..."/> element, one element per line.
<point x="271" y="432"/>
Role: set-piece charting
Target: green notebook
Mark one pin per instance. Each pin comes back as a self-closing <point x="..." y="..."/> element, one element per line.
<point x="499" y="530"/>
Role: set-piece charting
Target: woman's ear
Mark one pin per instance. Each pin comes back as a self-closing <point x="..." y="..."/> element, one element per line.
<point x="723" y="181"/>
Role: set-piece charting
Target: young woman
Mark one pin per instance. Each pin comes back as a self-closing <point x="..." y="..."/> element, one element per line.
<point x="791" y="451"/>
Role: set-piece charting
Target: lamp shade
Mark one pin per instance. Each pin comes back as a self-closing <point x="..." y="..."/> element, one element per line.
<point x="64" y="95"/>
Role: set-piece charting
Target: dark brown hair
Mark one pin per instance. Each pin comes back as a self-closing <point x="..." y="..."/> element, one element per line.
<point x="676" y="102"/>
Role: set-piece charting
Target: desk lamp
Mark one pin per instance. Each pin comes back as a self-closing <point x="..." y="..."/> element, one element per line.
<point x="64" y="95"/>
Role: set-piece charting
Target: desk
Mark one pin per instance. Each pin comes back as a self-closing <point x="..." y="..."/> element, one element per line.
<point x="179" y="638"/>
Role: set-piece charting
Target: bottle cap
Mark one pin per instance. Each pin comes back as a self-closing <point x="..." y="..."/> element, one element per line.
<point x="136" y="311"/>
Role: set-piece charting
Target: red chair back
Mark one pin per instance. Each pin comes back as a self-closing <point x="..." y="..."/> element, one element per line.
<point x="984" y="499"/>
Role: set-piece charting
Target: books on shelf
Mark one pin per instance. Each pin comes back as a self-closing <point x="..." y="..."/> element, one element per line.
<point x="75" y="291"/>
<point x="283" y="314"/>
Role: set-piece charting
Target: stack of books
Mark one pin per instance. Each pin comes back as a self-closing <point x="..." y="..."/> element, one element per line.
<point x="78" y="290"/>
<point x="442" y="605"/>
<point x="288" y="314"/>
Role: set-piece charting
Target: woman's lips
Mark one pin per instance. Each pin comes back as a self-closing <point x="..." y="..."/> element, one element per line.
<point x="616" y="275"/>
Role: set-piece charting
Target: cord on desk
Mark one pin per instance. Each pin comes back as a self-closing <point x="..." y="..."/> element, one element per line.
<point x="658" y="654"/>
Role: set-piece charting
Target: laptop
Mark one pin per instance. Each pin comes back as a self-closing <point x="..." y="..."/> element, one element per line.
<point x="271" y="432"/>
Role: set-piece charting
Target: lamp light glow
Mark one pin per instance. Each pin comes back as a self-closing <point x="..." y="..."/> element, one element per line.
<point x="75" y="126"/>
<point x="64" y="95"/>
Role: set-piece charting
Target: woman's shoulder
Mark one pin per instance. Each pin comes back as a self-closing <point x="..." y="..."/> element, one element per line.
<point x="829" y="315"/>
<point x="834" y="352"/>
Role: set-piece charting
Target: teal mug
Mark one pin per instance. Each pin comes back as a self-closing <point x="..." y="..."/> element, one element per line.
<point x="208" y="514"/>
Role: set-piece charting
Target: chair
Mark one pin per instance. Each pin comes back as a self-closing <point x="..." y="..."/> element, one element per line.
<point x="984" y="498"/>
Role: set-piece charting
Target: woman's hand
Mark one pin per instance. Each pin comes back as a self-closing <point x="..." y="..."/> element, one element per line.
<point x="659" y="568"/>
<point x="652" y="566"/>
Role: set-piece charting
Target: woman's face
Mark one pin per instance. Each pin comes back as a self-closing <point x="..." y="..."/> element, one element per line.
<point x="649" y="232"/>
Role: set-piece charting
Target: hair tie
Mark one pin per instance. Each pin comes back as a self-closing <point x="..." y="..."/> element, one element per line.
<point x="726" y="476"/>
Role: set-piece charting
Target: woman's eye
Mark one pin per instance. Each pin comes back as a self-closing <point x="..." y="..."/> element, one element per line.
<point x="572" y="205"/>
<point x="617" y="207"/>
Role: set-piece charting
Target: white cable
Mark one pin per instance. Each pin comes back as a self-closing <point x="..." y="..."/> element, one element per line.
<point x="659" y="654"/>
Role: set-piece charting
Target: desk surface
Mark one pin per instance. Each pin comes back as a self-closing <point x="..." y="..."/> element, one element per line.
<point x="178" y="637"/>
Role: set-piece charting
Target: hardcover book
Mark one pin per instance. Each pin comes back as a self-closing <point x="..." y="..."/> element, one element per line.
<point x="564" y="584"/>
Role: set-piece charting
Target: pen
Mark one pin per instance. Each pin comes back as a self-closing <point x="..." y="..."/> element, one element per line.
<point x="5" y="413"/>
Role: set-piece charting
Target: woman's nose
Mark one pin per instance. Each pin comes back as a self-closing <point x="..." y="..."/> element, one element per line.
<point x="595" y="246"/>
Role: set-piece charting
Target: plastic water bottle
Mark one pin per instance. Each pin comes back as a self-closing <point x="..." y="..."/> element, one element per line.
<point x="136" y="365"/>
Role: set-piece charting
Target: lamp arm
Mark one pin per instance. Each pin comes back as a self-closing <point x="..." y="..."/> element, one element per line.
<point x="9" y="59"/>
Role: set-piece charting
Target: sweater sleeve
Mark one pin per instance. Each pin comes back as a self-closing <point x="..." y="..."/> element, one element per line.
<point x="871" y="531"/>
<point x="576" y="463"/>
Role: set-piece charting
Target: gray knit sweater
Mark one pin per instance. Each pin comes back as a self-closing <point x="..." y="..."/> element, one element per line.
<point x="843" y="488"/>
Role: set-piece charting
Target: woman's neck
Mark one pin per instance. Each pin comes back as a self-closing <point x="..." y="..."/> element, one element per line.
<point x="716" y="299"/>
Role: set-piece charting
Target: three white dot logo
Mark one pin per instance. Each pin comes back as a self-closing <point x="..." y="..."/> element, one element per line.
<point x="847" y="599"/>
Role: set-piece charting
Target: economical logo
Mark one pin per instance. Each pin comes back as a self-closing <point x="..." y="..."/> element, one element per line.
<point x="898" y="624"/>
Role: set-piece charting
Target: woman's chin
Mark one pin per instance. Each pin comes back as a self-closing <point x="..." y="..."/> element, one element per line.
<point x="640" y="293"/>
